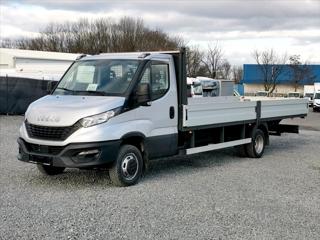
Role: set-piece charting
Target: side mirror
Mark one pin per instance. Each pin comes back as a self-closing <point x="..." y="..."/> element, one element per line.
<point x="143" y="94"/>
<point x="51" y="85"/>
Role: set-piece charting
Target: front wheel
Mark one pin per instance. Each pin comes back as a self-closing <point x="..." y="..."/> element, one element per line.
<point x="50" y="170"/>
<point x="255" y="149"/>
<point x="127" y="169"/>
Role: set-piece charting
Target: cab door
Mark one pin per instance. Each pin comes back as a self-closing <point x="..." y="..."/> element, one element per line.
<point x="160" y="114"/>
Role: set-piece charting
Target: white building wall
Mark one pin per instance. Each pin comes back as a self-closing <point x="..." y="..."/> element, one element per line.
<point x="280" y="89"/>
<point x="39" y="65"/>
<point x="6" y="60"/>
<point x="34" y="64"/>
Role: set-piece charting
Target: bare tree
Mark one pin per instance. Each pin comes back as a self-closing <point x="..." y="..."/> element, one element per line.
<point x="271" y="65"/>
<point x="194" y="61"/>
<point x="225" y="69"/>
<point x="237" y="72"/>
<point x="100" y="35"/>
<point x="212" y="60"/>
<point x="300" y="72"/>
<point x="7" y="43"/>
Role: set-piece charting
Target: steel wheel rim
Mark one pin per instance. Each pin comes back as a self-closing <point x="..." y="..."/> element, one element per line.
<point x="258" y="144"/>
<point x="129" y="166"/>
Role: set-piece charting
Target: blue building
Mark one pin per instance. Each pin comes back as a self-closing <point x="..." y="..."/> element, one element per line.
<point x="253" y="79"/>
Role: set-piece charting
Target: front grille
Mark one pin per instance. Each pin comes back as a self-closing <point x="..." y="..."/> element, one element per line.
<point x="35" y="148"/>
<point x="50" y="133"/>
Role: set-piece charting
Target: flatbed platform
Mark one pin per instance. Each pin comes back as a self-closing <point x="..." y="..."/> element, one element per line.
<point x="228" y="109"/>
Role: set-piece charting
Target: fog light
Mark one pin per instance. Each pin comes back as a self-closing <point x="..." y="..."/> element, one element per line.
<point x="89" y="152"/>
<point x="86" y="156"/>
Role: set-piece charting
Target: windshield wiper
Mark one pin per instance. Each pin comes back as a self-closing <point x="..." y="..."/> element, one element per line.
<point x="65" y="89"/>
<point x="100" y="93"/>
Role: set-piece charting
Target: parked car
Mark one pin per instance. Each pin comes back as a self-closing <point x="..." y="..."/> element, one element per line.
<point x="293" y="95"/>
<point x="262" y="93"/>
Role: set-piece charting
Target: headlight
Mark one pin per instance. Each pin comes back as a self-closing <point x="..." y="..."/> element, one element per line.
<point x="97" y="119"/>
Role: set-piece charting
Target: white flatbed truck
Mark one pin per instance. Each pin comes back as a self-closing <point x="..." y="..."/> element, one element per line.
<point x="120" y="111"/>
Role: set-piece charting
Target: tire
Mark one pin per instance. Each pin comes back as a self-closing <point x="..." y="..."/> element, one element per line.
<point x="255" y="149"/>
<point x="120" y="175"/>
<point x="241" y="151"/>
<point x="50" y="170"/>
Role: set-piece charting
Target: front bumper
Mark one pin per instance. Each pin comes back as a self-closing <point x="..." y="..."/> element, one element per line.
<point x="76" y="155"/>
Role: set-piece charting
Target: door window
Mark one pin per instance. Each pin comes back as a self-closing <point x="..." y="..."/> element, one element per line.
<point x="160" y="80"/>
<point x="157" y="76"/>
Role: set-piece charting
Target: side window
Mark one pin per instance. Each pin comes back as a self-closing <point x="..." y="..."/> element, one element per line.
<point x="159" y="80"/>
<point x="146" y="76"/>
<point x="157" y="76"/>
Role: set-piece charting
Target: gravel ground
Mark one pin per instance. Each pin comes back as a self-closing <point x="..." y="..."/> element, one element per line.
<point x="206" y="196"/>
<point x="311" y="122"/>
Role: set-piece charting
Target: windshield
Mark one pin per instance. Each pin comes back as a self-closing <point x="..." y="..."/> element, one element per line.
<point x="310" y="95"/>
<point x="98" y="77"/>
<point x="317" y="96"/>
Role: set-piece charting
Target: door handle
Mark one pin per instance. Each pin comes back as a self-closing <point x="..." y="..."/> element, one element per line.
<point x="171" y="112"/>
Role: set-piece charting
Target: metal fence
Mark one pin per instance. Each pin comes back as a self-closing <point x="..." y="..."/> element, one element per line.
<point x="17" y="93"/>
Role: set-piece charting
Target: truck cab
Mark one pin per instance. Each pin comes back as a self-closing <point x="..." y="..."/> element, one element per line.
<point x="308" y="92"/>
<point x="99" y="104"/>
<point x="309" y="96"/>
<point x="316" y="97"/>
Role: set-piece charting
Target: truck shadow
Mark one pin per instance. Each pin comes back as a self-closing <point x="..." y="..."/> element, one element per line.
<point x="165" y="167"/>
<point x="218" y="158"/>
<point x="197" y="161"/>
<point x="82" y="179"/>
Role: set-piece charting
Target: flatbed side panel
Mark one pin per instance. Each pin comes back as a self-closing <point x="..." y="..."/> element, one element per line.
<point x="216" y="113"/>
<point x="283" y="108"/>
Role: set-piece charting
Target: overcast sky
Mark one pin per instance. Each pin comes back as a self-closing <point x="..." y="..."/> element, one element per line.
<point x="291" y="26"/>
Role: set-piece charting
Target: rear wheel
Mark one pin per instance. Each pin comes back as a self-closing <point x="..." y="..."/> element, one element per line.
<point x="50" y="170"/>
<point x="241" y="151"/>
<point x="127" y="169"/>
<point x="255" y="149"/>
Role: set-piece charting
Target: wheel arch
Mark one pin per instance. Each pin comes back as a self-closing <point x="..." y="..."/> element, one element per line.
<point x="264" y="128"/>
<point x="137" y="139"/>
<point x="134" y="138"/>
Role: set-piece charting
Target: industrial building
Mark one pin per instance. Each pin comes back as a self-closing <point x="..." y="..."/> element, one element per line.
<point x="34" y="64"/>
<point x="253" y="79"/>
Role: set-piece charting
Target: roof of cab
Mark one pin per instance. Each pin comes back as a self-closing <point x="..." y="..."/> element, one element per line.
<point x="131" y="55"/>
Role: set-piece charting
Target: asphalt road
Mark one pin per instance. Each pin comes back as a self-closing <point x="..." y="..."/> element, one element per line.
<point x="212" y="195"/>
